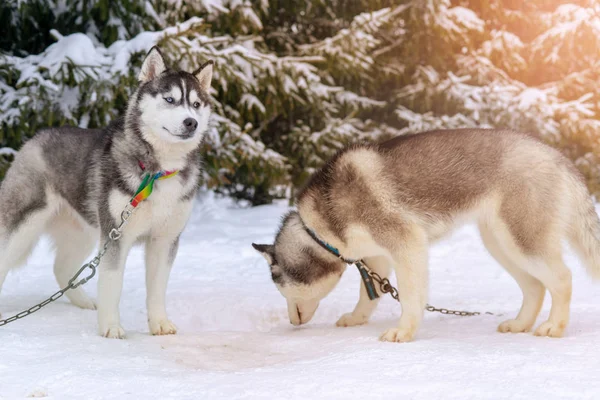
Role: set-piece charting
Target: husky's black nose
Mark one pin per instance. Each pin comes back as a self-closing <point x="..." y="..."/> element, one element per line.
<point x="190" y="124"/>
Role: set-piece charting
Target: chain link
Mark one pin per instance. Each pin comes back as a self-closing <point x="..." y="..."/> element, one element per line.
<point x="115" y="234"/>
<point x="77" y="280"/>
<point x="386" y="287"/>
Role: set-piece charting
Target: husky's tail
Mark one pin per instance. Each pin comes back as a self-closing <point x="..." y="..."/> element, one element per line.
<point x="585" y="234"/>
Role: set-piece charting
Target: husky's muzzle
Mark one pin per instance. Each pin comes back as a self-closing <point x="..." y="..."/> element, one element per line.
<point x="301" y="312"/>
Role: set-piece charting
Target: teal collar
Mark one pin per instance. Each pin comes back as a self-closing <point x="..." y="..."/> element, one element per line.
<point x="327" y="246"/>
<point x="362" y="268"/>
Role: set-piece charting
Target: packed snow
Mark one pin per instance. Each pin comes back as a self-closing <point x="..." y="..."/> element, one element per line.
<point x="235" y="341"/>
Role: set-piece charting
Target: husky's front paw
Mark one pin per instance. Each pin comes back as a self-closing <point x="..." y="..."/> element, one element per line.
<point x="162" y="327"/>
<point x="514" y="326"/>
<point x="397" y="335"/>
<point x="550" y="329"/>
<point x="113" y="332"/>
<point x="350" y="319"/>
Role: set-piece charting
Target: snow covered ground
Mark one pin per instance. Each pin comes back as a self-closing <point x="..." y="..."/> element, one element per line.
<point x="235" y="341"/>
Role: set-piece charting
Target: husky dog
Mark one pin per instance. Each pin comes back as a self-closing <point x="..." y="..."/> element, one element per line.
<point x="73" y="184"/>
<point x="386" y="203"/>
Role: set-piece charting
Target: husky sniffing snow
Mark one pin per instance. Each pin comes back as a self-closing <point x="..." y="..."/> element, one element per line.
<point x="386" y="203"/>
<point x="73" y="184"/>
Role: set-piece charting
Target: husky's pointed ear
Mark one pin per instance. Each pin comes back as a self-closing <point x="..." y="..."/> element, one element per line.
<point x="267" y="251"/>
<point x="204" y="75"/>
<point x="153" y="66"/>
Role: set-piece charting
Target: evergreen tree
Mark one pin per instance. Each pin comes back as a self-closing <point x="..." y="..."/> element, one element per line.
<point x="521" y="65"/>
<point x="297" y="80"/>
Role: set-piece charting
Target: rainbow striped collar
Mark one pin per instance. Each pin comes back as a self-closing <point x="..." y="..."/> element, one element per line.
<point x="145" y="189"/>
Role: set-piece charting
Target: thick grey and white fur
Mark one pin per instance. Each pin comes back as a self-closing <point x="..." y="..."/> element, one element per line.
<point x="387" y="203"/>
<point x="73" y="183"/>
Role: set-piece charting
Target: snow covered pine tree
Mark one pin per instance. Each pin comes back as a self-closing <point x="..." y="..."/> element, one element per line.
<point x="296" y="80"/>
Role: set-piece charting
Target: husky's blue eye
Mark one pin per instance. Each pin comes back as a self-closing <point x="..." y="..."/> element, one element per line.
<point x="169" y="99"/>
<point x="196" y="104"/>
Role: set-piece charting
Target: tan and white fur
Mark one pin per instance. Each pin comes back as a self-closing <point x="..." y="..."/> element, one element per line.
<point x="387" y="203"/>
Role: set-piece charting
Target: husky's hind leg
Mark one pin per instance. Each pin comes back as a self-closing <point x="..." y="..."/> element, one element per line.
<point x="556" y="276"/>
<point x="550" y="270"/>
<point x="537" y="254"/>
<point x="3" y="267"/>
<point x="74" y="242"/>
<point x="18" y="237"/>
<point x="20" y="242"/>
<point x="3" y="273"/>
<point x="533" y="290"/>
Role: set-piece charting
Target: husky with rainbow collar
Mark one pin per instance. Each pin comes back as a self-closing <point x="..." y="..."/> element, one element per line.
<point x="73" y="183"/>
<point x="386" y="203"/>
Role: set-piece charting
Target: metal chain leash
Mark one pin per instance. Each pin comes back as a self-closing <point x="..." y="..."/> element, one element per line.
<point x="386" y="287"/>
<point x="75" y="281"/>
